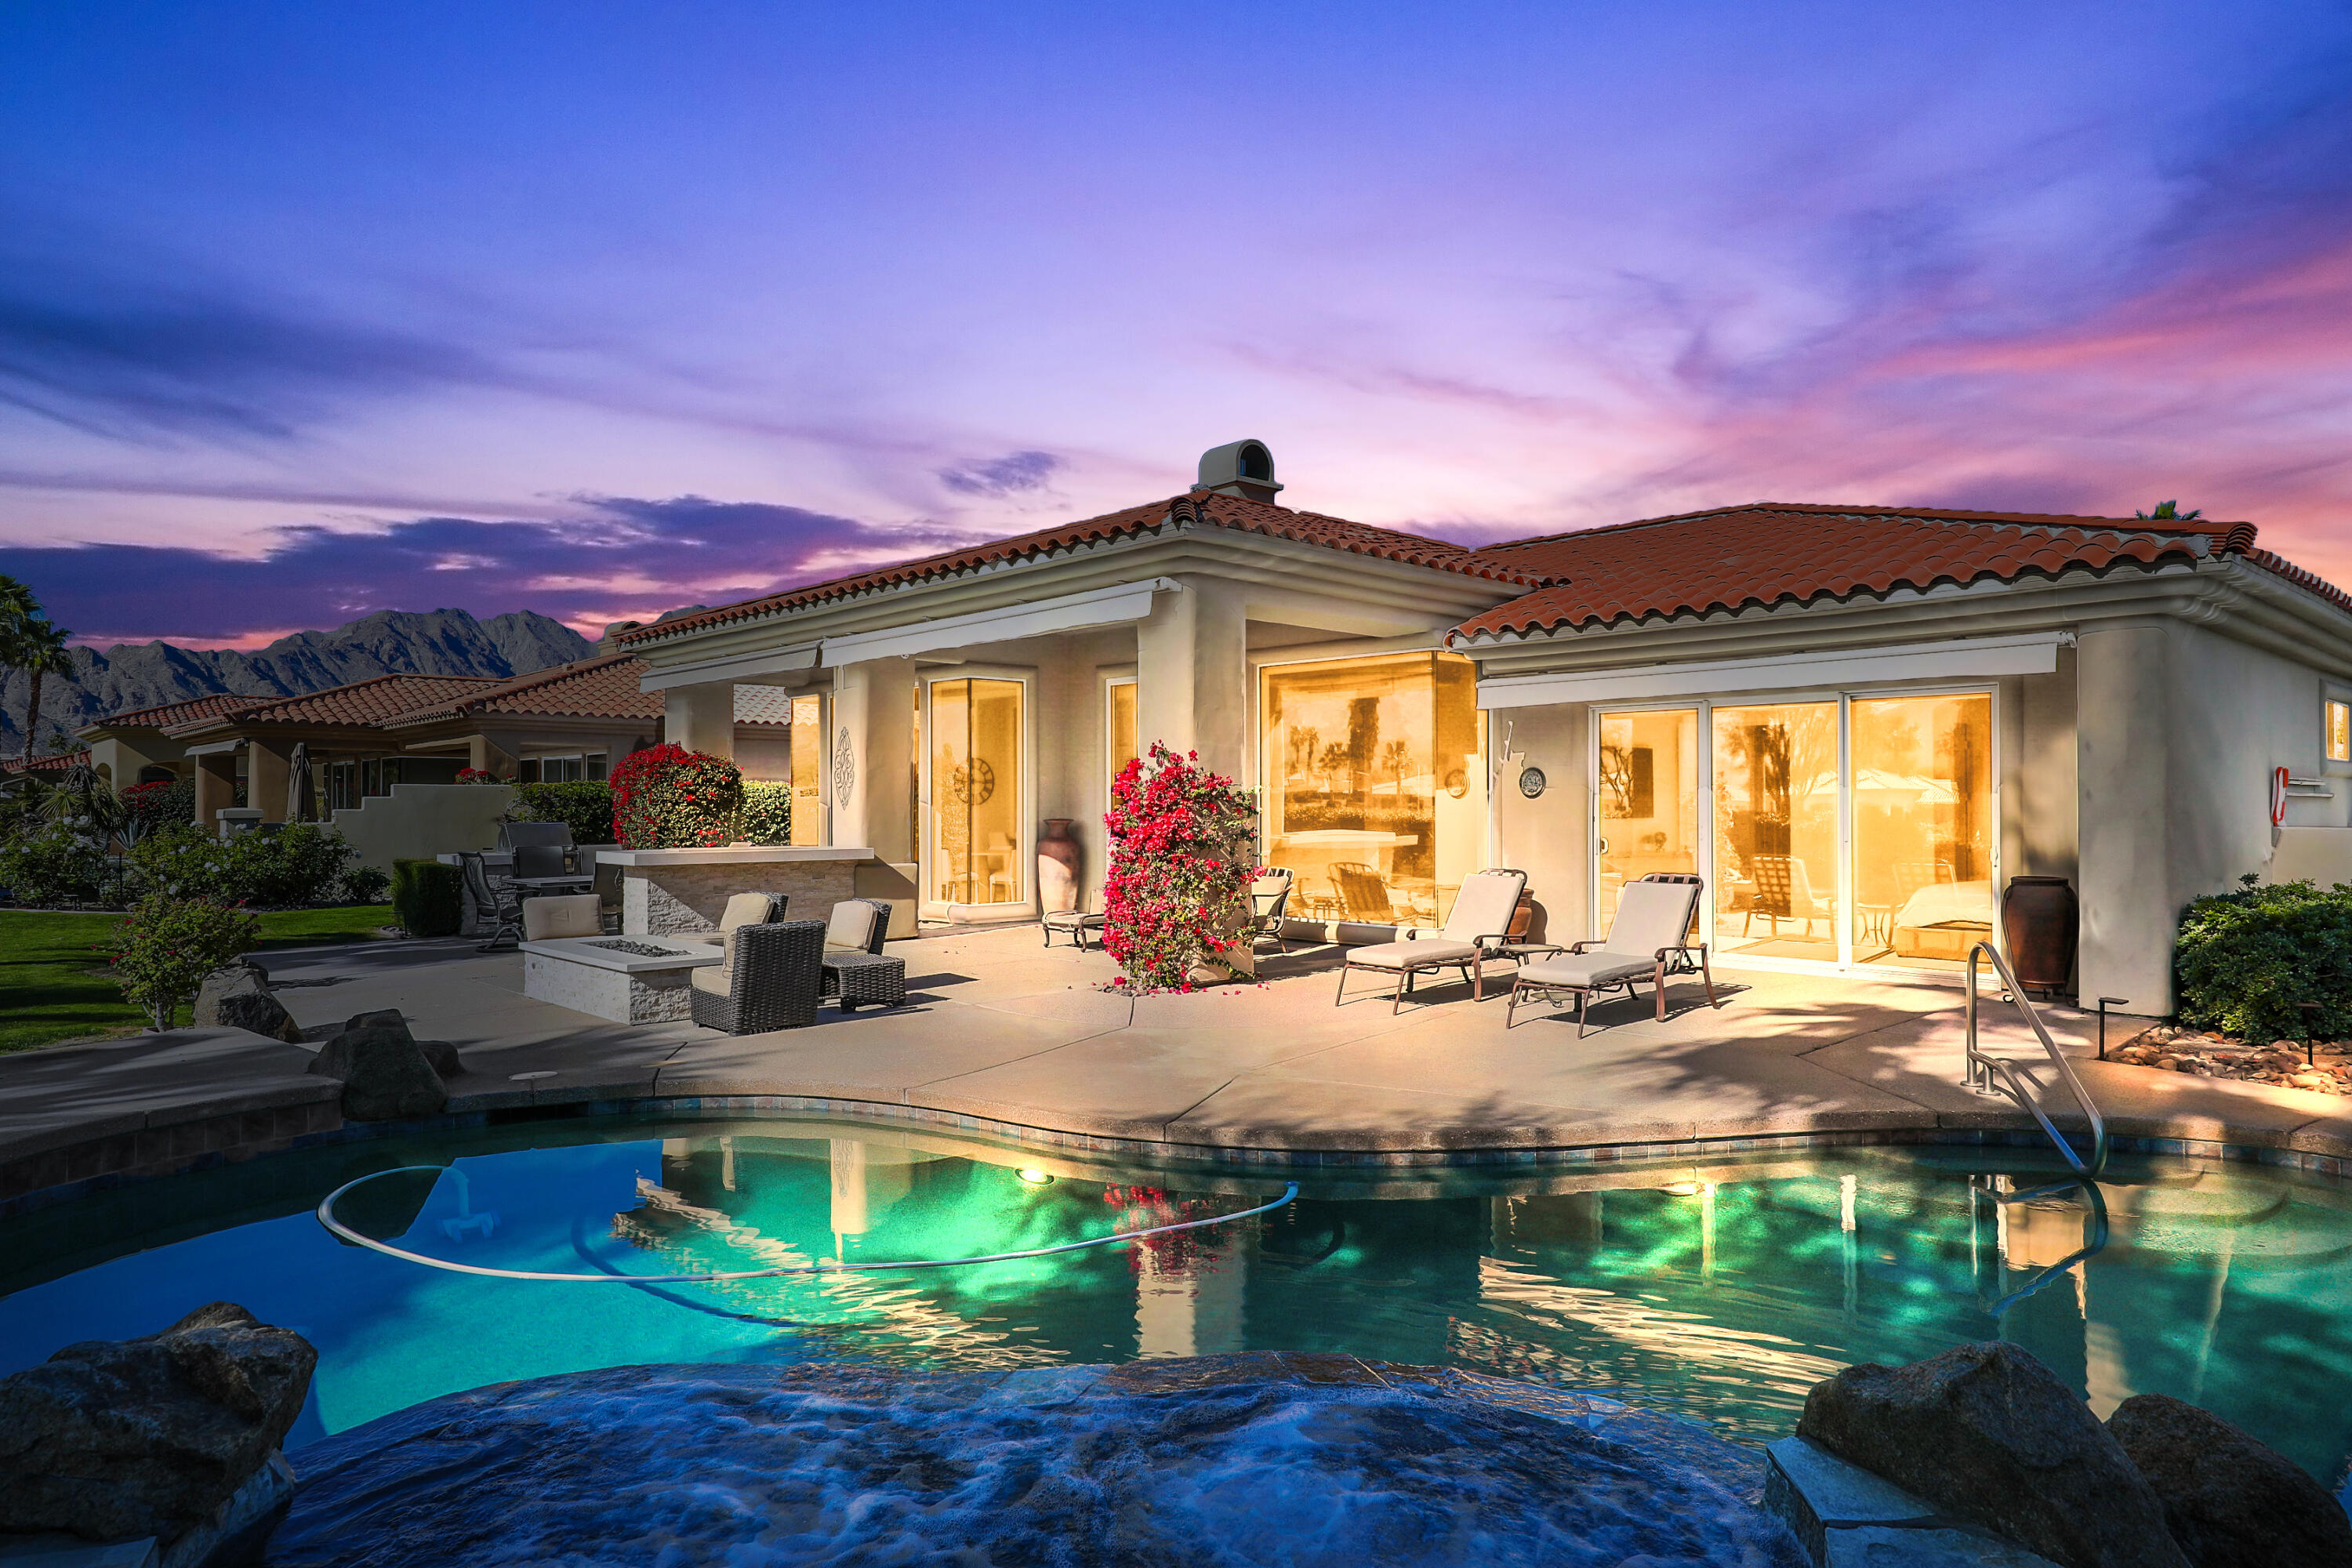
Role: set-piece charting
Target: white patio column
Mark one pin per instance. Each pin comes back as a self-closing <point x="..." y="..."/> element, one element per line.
<point x="2123" y="744"/>
<point x="1192" y="674"/>
<point x="215" y="786"/>
<point x="701" y="717"/>
<point x="873" y="753"/>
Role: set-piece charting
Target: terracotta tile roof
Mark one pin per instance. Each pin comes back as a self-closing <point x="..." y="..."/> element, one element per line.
<point x="603" y="686"/>
<point x="370" y="701"/>
<point x="171" y="714"/>
<point x="56" y="763"/>
<point x="1195" y="509"/>
<point x="1772" y="553"/>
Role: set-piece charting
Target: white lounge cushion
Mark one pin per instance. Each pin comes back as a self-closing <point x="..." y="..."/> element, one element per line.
<point x="1485" y="904"/>
<point x="1411" y="954"/>
<point x="569" y="914"/>
<point x="1652" y="915"/>
<point x="1588" y="971"/>
<point x="747" y="909"/>
<point x="718" y="978"/>
<point x="850" y="928"/>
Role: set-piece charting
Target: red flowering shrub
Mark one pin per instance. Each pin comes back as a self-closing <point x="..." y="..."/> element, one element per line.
<point x="667" y="797"/>
<point x="477" y="776"/>
<point x="1182" y="854"/>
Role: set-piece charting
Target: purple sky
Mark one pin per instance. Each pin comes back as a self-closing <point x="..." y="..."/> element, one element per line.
<point x="307" y="311"/>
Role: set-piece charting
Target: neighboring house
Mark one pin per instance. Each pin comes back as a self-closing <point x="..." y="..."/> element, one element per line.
<point x="1856" y="723"/>
<point x="339" y="728"/>
<point x="386" y="752"/>
<point x="51" y="769"/>
<point x="135" y="747"/>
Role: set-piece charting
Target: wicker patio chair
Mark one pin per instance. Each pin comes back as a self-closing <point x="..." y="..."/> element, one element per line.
<point x="496" y="897"/>
<point x="1481" y="918"/>
<point x="1649" y="939"/>
<point x="856" y="969"/>
<point x="769" y="978"/>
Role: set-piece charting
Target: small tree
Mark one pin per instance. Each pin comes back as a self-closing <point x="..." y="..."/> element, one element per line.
<point x="164" y="947"/>
<point x="667" y="797"/>
<point x="1182" y="854"/>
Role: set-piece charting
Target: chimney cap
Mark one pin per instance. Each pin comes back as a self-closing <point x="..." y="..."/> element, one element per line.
<point x="1240" y="469"/>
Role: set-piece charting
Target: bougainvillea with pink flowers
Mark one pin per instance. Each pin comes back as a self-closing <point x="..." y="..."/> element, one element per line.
<point x="667" y="797"/>
<point x="1183" y="845"/>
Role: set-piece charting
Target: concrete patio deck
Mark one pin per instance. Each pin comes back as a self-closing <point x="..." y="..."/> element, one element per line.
<point x="1000" y="1029"/>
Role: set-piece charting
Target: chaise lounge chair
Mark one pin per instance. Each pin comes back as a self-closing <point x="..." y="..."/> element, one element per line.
<point x="1481" y="918"/>
<point x="1650" y="939"/>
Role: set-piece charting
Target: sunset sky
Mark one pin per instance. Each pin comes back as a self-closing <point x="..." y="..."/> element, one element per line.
<point x="309" y="311"/>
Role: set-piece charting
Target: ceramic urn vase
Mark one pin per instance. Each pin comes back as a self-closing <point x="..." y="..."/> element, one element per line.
<point x="2038" y="926"/>
<point x="1057" y="866"/>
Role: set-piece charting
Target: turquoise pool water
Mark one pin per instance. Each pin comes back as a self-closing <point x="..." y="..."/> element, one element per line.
<point x="1722" y="1290"/>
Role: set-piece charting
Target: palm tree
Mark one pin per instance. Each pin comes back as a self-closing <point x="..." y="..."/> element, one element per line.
<point x="39" y="650"/>
<point x="2169" y="511"/>
<point x="18" y="609"/>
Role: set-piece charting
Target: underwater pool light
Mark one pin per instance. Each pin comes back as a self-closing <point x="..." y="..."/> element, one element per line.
<point x="1035" y="1177"/>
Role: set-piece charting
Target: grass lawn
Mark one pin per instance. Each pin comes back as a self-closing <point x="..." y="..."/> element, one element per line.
<point x="54" y="985"/>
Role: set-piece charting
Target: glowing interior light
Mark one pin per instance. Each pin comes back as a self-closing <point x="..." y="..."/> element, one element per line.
<point x="1681" y="1189"/>
<point x="1034" y="1176"/>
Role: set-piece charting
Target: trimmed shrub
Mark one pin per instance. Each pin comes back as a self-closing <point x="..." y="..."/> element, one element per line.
<point x="585" y="806"/>
<point x="2245" y="959"/>
<point x="667" y="797"/>
<point x="151" y="807"/>
<point x="366" y="884"/>
<point x="1182" y="853"/>
<point x="427" y="898"/>
<point x="300" y="864"/>
<point x="164" y="949"/>
<point x="766" y="813"/>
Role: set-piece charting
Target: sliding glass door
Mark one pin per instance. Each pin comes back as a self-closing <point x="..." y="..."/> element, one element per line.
<point x="1858" y="829"/>
<point x="973" y="824"/>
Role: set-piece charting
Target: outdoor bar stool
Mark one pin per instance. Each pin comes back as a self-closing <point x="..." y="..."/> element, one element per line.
<point x="1648" y="940"/>
<point x="1073" y="924"/>
<point x="1480" y="919"/>
<point x="771" y="976"/>
<point x="857" y="971"/>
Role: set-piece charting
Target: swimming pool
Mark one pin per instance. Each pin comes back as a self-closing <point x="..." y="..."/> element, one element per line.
<point x="1722" y="1290"/>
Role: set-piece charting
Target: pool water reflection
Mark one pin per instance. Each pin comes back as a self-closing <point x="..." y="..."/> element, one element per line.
<point x="1722" y="1290"/>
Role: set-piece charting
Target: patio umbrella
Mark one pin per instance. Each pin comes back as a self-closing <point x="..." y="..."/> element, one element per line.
<point x="298" y="783"/>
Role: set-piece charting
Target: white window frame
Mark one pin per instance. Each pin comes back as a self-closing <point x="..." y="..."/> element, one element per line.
<point x="1025" y="857"/>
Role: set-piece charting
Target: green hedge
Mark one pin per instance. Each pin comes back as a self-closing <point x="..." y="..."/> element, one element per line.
<point x="766" y="813"/>
<point x="585" y="806"/>
<point x="427" y="898"/>
<point x="2245" y="959"/>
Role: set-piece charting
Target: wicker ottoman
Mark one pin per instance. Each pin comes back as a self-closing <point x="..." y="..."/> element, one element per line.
<point x="859" y="977"/>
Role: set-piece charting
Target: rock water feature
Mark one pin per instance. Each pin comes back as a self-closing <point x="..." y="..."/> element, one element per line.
<point x="167" y="1443"/>
<point x="1244" y="1459"/>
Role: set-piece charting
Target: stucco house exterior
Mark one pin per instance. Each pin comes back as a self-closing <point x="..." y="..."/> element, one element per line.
<point x="1856" y="723"/>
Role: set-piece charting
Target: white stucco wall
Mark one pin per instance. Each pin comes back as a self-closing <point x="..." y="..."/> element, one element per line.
<point x="419" y="821"/>
<point x="1547" y="838"/>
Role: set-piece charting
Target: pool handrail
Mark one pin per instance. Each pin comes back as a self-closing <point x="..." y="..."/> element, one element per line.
<point x="1992" y="1075"/>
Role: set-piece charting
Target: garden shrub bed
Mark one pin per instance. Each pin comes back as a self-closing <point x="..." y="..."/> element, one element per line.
<point x="2264" y="963"/>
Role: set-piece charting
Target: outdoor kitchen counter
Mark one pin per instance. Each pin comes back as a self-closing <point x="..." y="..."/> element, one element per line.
<point x="681" y="892"/>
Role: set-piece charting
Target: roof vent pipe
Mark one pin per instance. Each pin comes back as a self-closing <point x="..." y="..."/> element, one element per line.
<point x="1243" y="469"/>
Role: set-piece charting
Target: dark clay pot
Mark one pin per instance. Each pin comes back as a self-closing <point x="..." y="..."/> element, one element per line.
<point x="2038" y="923"/>
<point x="1058" y="866"/>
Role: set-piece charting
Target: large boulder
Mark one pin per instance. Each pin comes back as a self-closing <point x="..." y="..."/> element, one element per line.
<point x="148" y="1436"/>
<point x="386" y="1074"/>
<point x="440" y="1053"/>
<point x="1990" y="1434"/>
<point x="237" y="996"/>
<point x="2230" y="1501"/>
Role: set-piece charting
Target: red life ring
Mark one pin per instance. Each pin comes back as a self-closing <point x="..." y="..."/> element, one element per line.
<point x="2278" y="796"/>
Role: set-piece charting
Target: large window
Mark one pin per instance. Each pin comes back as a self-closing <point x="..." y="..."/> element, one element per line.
<point x="1375" y="784"/>
<point x="976" y="810"/>
<point x="1922" y="789"/>
<point x="1776" y="829"/>
<point x="2338" y="724"/>
<point x="1648" y="798"/>
<point x="1118" y="724"/>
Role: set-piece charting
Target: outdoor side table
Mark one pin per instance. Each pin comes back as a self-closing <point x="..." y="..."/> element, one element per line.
<point x="1072" y="924"/>
<point x="860" y="977"/>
